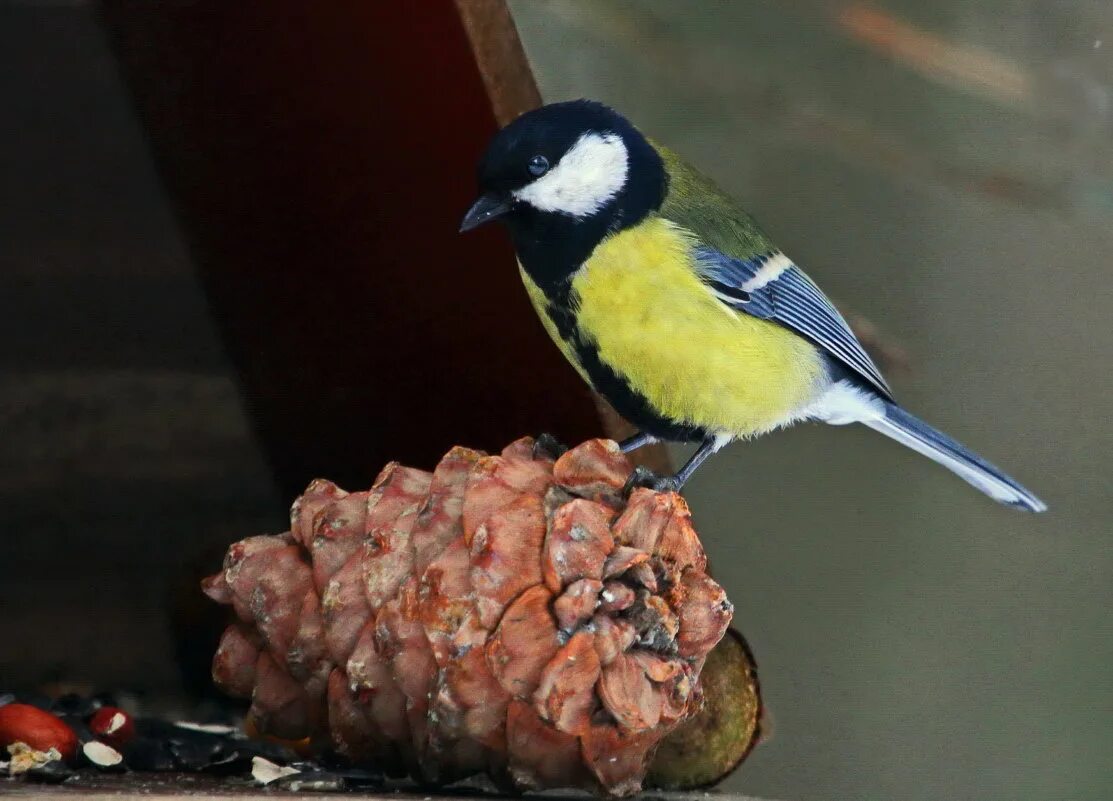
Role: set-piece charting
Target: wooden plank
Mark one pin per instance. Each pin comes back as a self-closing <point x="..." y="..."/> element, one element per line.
<point x="199" y="787"/>
<point x="500" y="57"/>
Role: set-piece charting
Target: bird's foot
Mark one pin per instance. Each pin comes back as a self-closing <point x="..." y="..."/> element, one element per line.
<point x="546" y="446"/>
<point x="644" y="477"/>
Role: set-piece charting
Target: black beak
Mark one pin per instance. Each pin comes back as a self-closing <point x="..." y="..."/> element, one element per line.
<point x="487" y="208"/>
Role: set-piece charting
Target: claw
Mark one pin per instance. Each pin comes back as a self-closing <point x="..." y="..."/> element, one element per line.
<point x="546" y="446"/>
<point x="644" y="477"/>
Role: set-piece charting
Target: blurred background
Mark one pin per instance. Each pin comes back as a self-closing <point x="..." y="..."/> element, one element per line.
<point x="944" y="169"/>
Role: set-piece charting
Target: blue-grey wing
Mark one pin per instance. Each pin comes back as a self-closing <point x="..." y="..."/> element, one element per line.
<point x="771" y="287"/>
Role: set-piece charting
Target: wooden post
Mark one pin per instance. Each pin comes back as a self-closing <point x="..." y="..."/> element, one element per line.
<point x="320" y="157"/>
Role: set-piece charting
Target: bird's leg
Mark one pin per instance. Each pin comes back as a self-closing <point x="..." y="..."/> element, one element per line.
<point x="546" y="446"/>
<point x="706" y="448"/>
<point x="644" y="477"/>
<point x="637" y="441"/>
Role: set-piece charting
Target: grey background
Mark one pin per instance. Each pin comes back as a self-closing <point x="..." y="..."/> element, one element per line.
<point x="915" y="641"/>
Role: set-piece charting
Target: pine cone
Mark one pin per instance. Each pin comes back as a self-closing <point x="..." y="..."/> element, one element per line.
<point x="504" y="614"/>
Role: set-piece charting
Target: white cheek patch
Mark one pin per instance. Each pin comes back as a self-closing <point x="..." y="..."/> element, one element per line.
<point x="589" y="175"/>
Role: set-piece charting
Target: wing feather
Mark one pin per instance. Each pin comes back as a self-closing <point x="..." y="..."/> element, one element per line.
<point x="744" y="269"/>
<point x="787" y="296"/>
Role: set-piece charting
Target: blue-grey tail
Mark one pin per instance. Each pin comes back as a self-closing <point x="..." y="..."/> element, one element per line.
<point x="937" y="446"/>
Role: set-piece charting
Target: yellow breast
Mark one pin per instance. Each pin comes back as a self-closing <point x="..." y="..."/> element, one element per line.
<point x="696" y="360"/>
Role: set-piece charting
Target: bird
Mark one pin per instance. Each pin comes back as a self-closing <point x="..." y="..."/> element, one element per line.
<point x="672" y="303"/>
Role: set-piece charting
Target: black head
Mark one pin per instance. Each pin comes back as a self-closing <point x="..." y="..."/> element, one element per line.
<point x="567" y="174"/>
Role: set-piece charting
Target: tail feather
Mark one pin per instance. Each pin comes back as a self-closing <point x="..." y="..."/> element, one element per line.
<point x="909" y="430"/>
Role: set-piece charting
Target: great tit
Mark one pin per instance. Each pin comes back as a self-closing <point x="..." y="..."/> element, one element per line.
<point x="671" y="302"/>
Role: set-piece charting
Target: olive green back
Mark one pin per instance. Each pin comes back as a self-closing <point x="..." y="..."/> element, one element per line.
<point x="696" y="203"/>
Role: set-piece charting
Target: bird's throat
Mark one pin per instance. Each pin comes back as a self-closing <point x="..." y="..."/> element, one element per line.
<point x="552" y="247"/>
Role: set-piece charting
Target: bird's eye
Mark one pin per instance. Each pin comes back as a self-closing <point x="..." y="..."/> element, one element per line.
<point x="538" y="166"/>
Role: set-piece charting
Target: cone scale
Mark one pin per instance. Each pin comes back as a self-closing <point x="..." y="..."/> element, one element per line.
<point x="507" y="615"/>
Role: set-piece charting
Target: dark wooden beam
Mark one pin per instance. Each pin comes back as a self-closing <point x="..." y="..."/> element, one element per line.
<point x="320" y="156"/>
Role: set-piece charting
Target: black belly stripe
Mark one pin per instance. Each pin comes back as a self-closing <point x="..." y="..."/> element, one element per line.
<point x="629" y="403"/>
<point x="550" y="259"/>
